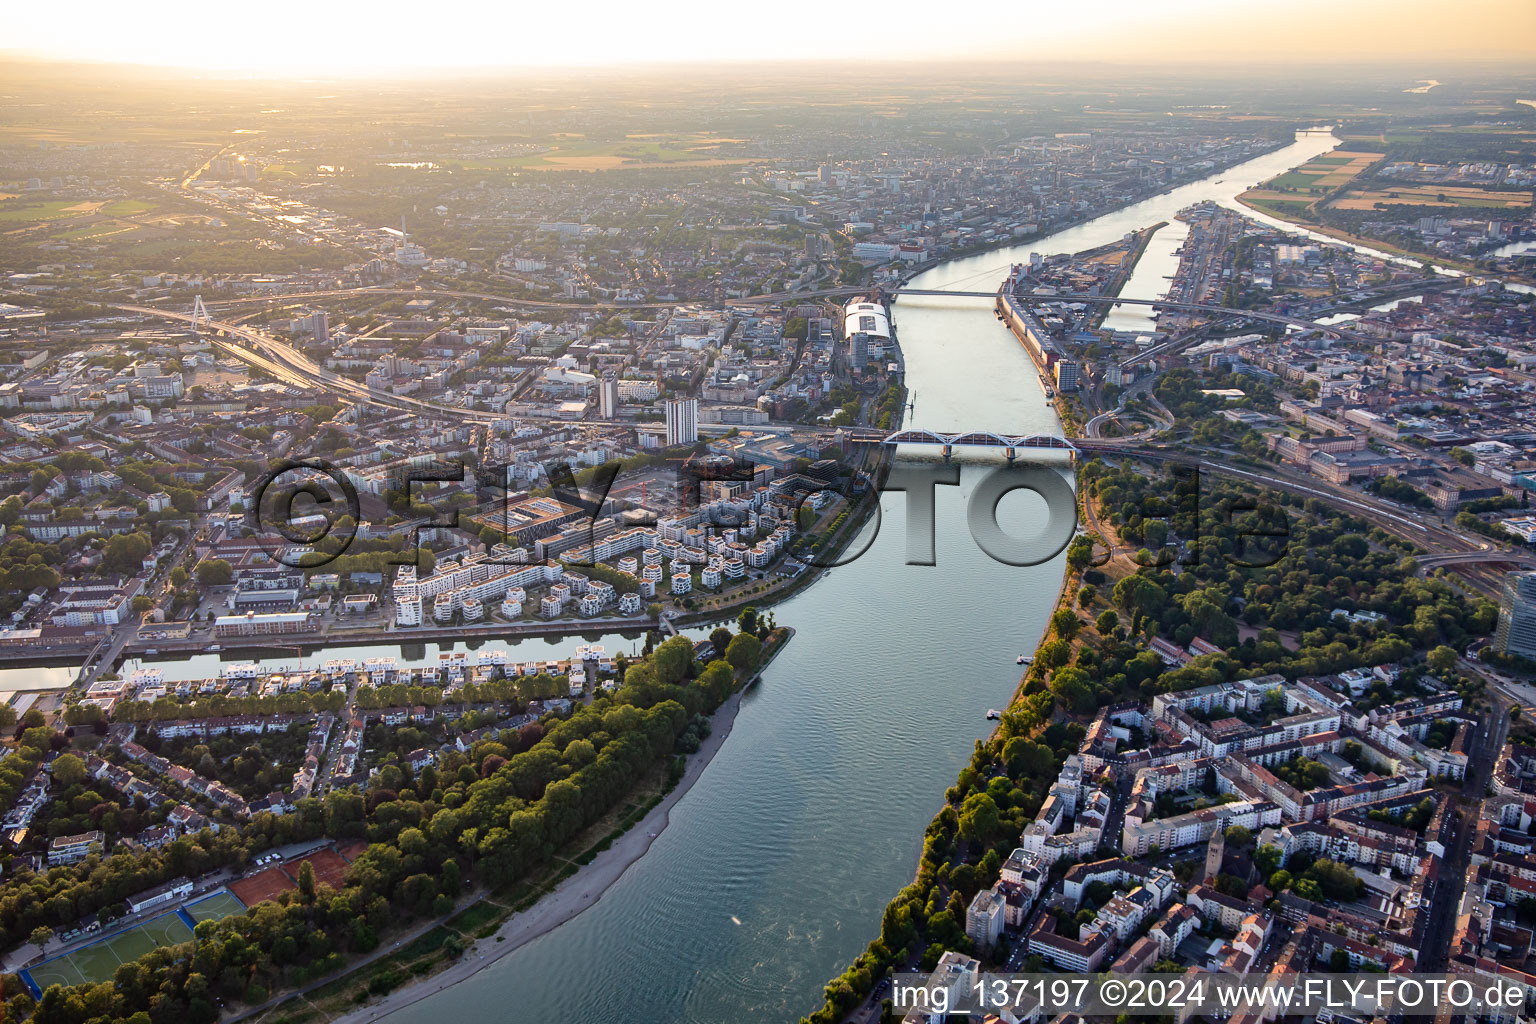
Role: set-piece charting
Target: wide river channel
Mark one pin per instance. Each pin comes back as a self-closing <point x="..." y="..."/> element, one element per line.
<point x="776" y="865"/>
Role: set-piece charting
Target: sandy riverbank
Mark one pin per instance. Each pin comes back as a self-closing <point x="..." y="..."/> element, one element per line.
<point x="572" y="896"/>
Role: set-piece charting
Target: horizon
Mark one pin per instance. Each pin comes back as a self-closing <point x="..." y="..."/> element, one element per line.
<point x="295" y="41"/>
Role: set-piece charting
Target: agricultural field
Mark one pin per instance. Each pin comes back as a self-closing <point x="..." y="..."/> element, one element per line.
<point x="1444" y="196"/>
<point x="576" y="154"/>
<point x="1314" y="179"/>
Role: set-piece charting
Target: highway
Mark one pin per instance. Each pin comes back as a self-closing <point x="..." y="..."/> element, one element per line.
<point x="1491" y="555"/>
<point x="431" y="293"/>
<point x="291" y="366"/>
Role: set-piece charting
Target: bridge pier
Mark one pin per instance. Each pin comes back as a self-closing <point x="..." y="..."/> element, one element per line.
<point x="1011" y="453"/>
<point x="948" y="451"/>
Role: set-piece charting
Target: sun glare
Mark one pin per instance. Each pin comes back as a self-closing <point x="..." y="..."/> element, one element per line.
<point x="287" y="36"/>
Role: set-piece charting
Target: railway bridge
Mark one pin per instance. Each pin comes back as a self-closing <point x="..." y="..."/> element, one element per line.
<point x="1011" y="444"/>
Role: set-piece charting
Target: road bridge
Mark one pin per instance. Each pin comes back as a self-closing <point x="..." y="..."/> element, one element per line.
<point x="291" y="366"/>
<point x="1494" y="556"/>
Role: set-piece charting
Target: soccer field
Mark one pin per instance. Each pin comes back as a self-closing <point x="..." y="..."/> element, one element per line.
<point x="211" y="908"/>
<point x="97" y="962"/>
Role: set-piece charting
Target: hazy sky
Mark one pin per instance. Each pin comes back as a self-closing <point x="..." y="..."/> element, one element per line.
<point x="376" y="37"/>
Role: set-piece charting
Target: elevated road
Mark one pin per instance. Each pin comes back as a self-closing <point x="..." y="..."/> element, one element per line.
<point x="291" y="366"/>
<point x="1494" y="556"/>
<point x="433" y="293"/>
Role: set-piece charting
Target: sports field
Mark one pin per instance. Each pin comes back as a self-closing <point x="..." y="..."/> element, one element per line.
<point x="211" y="908"/>
<point x="328" y="865"/>
<point x="97" y="962"/>
<point x="262" y="886"/>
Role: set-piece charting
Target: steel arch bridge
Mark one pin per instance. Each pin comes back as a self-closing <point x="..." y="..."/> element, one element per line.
<point x="969" y="439"/>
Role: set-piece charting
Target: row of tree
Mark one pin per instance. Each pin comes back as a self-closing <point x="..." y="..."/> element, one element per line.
<point x="493" y="814"/>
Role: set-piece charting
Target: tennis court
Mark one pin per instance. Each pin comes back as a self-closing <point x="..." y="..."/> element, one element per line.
<point x="262" y="886"/>
<point x="99" y="960"/>
<point x="211" y="908"/>
<point x="329" y="867"/>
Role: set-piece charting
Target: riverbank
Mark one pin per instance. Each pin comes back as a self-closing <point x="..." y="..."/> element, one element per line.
<point x="1069" y="223"/>
<point x="1458" y="268"/>
<point x="849" y="740"/>
<point x="575" y="894"/>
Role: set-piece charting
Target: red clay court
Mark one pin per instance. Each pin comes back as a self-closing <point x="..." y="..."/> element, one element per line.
<point x="264" y="885"/>
<point x="352" y="850"/>
<point x="330" y="868"/>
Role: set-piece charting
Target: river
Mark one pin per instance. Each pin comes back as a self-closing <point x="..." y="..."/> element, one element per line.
<point x="775" y="868"/>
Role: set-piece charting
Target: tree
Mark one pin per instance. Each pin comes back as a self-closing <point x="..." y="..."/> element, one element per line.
<point x="1231" y="885"/>
<point x="1066" y="622"/>
<point x="214" y="572"/>
<point x="1139" y="594"/>
<point x="178" y="577"/>
<point x="1335" y="881"/>
<point x="747" y="620"/>
<point x="1307" y="889"/>
<point x="1070" y="686"/>
<point x="1080" y="552"/>
<point x="672" y="659"/>
<point x="40" y="936"/>
<point x="69" y="769"/>
<point x="1442" y="659"/>
<point x="142" y="603"/>
<point x="720" y="638"/>
<point x="1053" y="653"/>
<point x="125" y="552"/>
<point x="1027" y="758"/>
<point x="1107" y="622"/>
<point x="744" y="652"/>
<point x="307" y="882"/>
<point x="979" y="818"/>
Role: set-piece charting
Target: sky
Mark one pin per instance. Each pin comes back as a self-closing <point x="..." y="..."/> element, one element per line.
<point x="379" y="38"/>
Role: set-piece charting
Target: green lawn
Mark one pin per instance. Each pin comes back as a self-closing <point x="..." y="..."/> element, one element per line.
<point x="127" y="208"/>
<point x="98" y="962"/>
<point x="639" y="153"/>
<point x="57" y="972"/>
<point x="1296" y="180"/>
<point x="211" y="908"/>
<point x="22" y="211"/>
<point x="1279" y="207"/>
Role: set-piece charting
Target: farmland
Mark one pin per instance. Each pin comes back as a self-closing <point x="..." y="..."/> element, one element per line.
<point x="1444" y="196"/>
<point x="1313" y="180"/>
